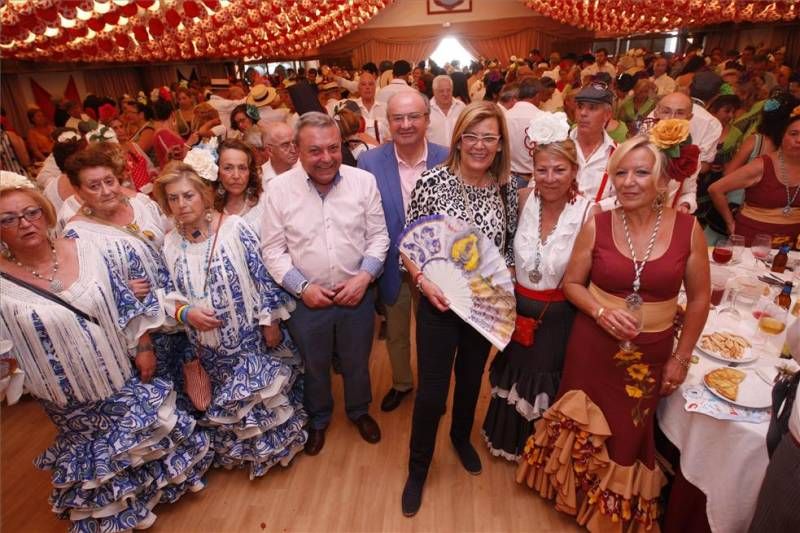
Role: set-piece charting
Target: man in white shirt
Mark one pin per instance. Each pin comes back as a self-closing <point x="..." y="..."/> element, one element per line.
<point x="324" y="240"/>
<point x="397" y="167"/>
<point x="374" y="113"/>
<point x="444" y="111"/>
<point x="664" y="83"/>
<point x="601" y="64"/>
<point x="400" y="71"/>
<point x="705" y="130"/>
<point x="593" y="144"/>
<point x="518" y="118"/>
<point x="278" y="140"/>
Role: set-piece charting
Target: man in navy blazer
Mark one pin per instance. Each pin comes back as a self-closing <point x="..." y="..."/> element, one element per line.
<point x="397" y="166"/>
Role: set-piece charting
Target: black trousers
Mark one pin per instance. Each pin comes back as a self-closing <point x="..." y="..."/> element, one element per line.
<point x="442" y="339"/>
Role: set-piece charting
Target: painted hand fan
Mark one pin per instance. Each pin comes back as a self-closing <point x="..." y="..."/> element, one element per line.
<point x="468" y="269"/>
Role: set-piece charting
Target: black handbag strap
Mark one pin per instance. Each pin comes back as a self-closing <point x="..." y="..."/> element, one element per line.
<point x="50" y="296"/>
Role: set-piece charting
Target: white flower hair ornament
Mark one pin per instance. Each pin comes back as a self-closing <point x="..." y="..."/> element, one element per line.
<point x="203" y="162"/>
<point x="12" y="180"/>
<point x="68" y="136"/>
<point x="103" y="134"/>
<point x="546" y="128"/>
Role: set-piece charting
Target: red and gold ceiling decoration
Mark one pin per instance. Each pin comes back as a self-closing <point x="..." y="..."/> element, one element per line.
<point x="626" y="17"/>
<point x="172" y="30"/>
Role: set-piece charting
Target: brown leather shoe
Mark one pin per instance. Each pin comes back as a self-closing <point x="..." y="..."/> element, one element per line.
<point x="315" y="442"/>
<point x="368" y="428"/>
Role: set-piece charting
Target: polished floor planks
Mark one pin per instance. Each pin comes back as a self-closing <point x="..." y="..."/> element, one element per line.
<point x="351" y="486"/>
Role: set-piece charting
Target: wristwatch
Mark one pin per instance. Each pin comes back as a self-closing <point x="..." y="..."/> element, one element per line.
<point x="302" y="289"/>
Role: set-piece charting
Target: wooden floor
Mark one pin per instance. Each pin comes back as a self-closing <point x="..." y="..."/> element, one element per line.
<point x="351" y="486"/>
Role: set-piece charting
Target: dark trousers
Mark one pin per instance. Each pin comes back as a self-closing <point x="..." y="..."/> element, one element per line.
<point x="442" y="339"/>
<point x="347" y="331"/>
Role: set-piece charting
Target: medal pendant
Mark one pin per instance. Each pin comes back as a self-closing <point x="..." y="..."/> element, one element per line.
<point x="535" y="276"/>
<point x="634" y="300"/>
<point x="786" y="211"/>
<point x="56" y="285"/>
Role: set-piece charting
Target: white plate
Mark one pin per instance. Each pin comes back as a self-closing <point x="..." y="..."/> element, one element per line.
<point x="747" y="357"/>
<point x="754" y="392"/>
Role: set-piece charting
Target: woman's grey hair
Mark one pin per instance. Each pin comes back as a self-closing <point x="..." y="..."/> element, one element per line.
<point x="313" y="119"/>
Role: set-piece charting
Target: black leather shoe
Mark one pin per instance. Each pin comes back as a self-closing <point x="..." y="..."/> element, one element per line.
<point x="315" y="442"/>
<point x="412" y="496"/>
<point x="392" y="399"/>
<point x="469" y="458"/>
<point x="368" y="428"/>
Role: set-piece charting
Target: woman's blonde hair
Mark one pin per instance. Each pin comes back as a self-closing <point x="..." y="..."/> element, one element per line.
<point x="634" y="143"/>
<point x="564" y="149"/>
<point x="40" y="199"/>
<point x="174" y="172"/>
<point x="469" y="117"/>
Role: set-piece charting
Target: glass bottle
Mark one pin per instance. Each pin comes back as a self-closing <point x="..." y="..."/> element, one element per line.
<point x="780" y="260"/>
<point x="784" y="299"/>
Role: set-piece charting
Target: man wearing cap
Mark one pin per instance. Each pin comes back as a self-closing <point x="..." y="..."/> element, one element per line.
<point x="397" y="167"/>
<point x="278" y="139"/>
<point x="517" y="120"/>
<point x="593" y="144"/>
<point x="400" y="71"/>
<point x="329" y="95"/>
<point x="601" y="64"/>
<point x="324" y="239"/>
<point x="444" y="111"/>
<point x="664" y="83"/>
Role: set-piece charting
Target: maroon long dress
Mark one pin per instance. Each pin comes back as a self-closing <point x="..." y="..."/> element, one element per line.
<point x="769" y="193"/>
<point x="594" y="449"/>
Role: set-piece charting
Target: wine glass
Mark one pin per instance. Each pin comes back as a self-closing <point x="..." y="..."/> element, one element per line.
<point x="636" y="311"/>
<point x="723" y="251"/>
<point x="737" y="245"/>
<point x="729" y="310"/>
<point x="760" y="246"/>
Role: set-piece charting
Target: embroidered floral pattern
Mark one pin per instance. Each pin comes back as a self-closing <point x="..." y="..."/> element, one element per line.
<point x="639" y="382"/>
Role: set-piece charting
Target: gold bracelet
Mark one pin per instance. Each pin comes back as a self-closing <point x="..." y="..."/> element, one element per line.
<point x="684" y="362"/>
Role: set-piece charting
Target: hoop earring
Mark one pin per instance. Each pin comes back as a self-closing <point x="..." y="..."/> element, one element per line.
<point x="209" y="216"/>
<point x="660" y="201"/>
<point x="221" y="191"/>
<point x="572" y="193"/>
<point x="4" y="251"/>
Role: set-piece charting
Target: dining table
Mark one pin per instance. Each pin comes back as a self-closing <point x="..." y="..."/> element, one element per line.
<point x="722" y="453"/>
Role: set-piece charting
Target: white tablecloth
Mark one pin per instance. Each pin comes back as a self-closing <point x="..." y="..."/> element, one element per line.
<point x="726" y="460"/>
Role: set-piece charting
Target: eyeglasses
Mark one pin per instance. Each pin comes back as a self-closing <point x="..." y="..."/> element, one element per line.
<point x="32" y="214"/>
<point x="666" y="112"/>
<point x="472" y="139"/>
<point x="411" y="117"/>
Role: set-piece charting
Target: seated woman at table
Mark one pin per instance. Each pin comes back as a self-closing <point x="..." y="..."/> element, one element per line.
<point x="83" y="341"/>
<point x="771" y="184"/>
<point x="235" y="313"/>
<point x="640" y="253"/>
<point x="524" y="376"/>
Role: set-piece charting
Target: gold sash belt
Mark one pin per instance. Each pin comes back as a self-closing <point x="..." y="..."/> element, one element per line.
<point x="657" y="316"/>
<point x="771" y="216"/>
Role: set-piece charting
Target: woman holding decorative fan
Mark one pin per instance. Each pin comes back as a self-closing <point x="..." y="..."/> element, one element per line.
<point x="457" y="249"/>
<point x="235" y="313"/>
<point x="626" y="270"/>
<point x="525" y="376"/>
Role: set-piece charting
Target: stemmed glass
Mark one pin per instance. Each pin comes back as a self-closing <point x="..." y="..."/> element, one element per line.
<point x="729" y="310"/>
<point x="723" y="251"/>
<point x="737" y="245"/>
<point x="636" y="311"/>
<point x="760" y="246"/>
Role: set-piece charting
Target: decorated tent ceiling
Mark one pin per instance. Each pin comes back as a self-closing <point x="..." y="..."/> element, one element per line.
<point x="642" y="16"/>
<point x="170" y="30"/>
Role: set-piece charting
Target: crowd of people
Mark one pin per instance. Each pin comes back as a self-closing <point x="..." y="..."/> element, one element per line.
<point x="183" y="270"/>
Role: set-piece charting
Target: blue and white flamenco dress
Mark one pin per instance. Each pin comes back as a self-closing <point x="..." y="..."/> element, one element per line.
<point x="122" y="445"/>
<point x="256" y="411"/>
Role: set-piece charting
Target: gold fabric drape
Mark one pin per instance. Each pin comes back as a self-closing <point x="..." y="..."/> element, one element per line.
<point x="13" y="103"/>
<point x="114" y="82"/>
<point x="499" y="39"/>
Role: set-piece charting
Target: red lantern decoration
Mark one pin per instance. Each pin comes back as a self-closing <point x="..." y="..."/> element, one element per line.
<point x="140" y="32"/>
<point x="96" y="24"/>
<point x="156" y="27"/>
<point x="213" y="5"/>
<point x="145" y="4"/>
<point x="112" y="17"/>
<point x="122" y="39"/>
<point x="191" y="9"/>
<point x="172" y="17"/>
<point x="129" y="10"/>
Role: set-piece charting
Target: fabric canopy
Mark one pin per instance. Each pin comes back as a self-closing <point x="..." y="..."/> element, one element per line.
<point x="496" y="39"/>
